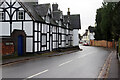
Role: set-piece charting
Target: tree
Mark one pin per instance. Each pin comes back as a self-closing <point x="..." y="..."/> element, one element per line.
<point x="104" y="21"/>
<point x="116" y="22"/>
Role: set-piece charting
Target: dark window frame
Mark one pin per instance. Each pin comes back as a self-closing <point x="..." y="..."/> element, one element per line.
<point x="20" y="16"/>
<point x="2" y="16"/>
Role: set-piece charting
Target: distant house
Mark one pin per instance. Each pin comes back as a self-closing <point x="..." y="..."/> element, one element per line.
<point x="85" y="36"/>
<point x="75" y="25"/>
<point x="36" y="28"/>
<point x="89" y="34"/>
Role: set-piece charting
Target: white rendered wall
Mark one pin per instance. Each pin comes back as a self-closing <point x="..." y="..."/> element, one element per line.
<point x="29" y="44"/>
<point x="28" y="28"/>
<point x="5" y="29"/>
<point x="75" y="37"/>
<point x="27" y="17"/>
<point x="17" y="26"/>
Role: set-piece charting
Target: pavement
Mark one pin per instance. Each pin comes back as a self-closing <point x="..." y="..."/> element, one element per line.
<point x="114" y="71"/>
<point x="26" y="58"/>
<point x="80" y="64"/>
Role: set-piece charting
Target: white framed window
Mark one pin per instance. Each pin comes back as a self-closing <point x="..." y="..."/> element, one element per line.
<point x="21" y="15"/>
<point x="2" y="16"/>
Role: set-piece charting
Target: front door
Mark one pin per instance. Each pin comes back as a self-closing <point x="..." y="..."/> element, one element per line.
<point x="20" y="45"/>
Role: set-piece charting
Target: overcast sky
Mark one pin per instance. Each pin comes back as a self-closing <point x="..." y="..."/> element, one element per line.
<point x="86" y="9"/>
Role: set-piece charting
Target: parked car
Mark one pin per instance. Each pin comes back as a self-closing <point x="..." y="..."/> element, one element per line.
<point x="85" y="44"/>
<point x="80" y="42"/>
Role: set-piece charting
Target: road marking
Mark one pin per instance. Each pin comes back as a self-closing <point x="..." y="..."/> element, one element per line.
<point x="109" y="58"/>
<point x="37" y="74"/>
<point x="84" y="55"/>
<point x="65" y="63"/>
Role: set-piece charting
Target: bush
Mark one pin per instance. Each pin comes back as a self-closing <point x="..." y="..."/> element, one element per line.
<point x="119" y="46"/>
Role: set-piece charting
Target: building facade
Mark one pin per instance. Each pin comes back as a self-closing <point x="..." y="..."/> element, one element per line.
<point x="33" y="27"/>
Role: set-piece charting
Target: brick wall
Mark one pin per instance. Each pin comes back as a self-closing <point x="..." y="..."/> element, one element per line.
<point x="7" y="48"/>
<point x="103" y="43"/>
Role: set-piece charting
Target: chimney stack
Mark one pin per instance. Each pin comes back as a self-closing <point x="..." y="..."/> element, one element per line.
<point x="55" y="7"/>
<point x="68" y="13"/>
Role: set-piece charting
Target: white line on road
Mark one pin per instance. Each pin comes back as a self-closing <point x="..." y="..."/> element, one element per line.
<point x="84" y="55"/>
<point x="37" y="74"/>
<point x="65" y="63"/>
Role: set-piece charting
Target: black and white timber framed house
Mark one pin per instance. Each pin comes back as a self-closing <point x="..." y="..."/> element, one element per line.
<point x="34" y="27"/>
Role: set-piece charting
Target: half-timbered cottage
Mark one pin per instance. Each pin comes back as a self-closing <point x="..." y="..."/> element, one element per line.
<point x="34" y="27"/>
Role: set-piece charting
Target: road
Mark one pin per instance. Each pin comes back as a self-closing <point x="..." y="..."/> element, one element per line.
<point x="80" y="64"/>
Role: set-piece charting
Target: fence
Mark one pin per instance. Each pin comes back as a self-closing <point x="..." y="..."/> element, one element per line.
<point x="103" y="43"/>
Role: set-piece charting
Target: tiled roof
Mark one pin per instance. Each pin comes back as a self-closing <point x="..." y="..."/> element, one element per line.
<point x="29" y="7"/>
<point x="75" y="22"/>
<point x="57" y="15"/>
<point x="91" y="29"/>
<point x="42" y="9"/>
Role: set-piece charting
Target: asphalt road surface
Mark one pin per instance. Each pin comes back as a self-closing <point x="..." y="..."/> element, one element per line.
<point x="80" y="64"/>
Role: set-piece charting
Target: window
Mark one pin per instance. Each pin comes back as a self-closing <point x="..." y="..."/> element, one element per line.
<point x="47" y="19"/>
<point x="1" y="15"/>
<point x="20" y="15"/>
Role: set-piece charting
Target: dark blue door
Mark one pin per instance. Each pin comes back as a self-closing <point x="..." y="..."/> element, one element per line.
<point x="20" y="45"/>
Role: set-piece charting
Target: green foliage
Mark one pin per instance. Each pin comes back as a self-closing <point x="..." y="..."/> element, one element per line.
<point x="119" y="45"/>
<point x="107" y="20"/>
<point x="116" y="21"/>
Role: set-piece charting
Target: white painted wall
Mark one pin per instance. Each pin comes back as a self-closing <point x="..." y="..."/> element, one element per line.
<point x="28" y="28"/>
<point x="48" y="36"/>
<point x="39" y="46"/>
<point x="54" y="45"/>
<point x="36" y="36"/>
<point x="91" y="36"/>
<point x="5" y="29"/>
<point x="16" y="25"/>
<point x="75" y="37"/>
<point x="36" y="47"/>
<point x="47" y="45"/>
<point x="27" y="17"/>
<point x="29" y="45"/>
<point x="43" y="40"/>
<point x="16" y="5"/>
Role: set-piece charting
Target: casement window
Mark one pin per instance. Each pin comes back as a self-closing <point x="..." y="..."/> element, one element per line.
<point x="20" y="15"/>
<point x="2" y="16"/>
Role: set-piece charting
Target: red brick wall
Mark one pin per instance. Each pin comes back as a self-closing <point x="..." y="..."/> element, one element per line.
<point x="102" y="43"/>
<point x="6" y="49"/>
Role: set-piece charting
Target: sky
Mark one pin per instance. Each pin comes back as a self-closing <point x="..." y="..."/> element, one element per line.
<point x="86" y="9"/>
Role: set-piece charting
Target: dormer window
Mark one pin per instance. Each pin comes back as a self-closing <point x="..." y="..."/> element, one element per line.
<point x="2" y="16"/>
<point x="20" y="15"/>
<point x="47" y="19"/>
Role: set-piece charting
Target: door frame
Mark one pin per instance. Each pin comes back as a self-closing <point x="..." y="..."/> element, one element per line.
<point x="15" y="35"/>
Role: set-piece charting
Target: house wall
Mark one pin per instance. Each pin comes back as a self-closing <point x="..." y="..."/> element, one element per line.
<point x="39" y="36"/>
<point x="75" y="37"/>
<point x="26" y="24"/>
